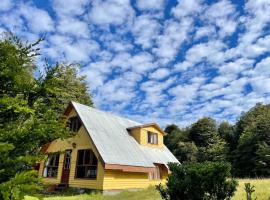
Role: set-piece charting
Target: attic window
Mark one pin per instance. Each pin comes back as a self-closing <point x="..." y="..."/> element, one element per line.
<point x="74" y="124"/>
<point x="152" y="138"/>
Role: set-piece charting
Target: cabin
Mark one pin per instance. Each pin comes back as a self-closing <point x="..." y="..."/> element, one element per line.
<point x="107" y="152"/>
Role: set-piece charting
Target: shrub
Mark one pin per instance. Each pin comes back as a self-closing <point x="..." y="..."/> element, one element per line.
<point x="195" y="181"/>
<point x="24" y="183"/>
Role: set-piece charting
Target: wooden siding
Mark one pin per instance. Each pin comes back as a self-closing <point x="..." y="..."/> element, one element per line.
<point x="124" y="180"/>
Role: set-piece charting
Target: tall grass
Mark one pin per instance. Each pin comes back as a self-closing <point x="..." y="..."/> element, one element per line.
<point x="262" y="189"/>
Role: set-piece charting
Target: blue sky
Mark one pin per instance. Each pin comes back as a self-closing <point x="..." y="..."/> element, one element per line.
<point x="161" y="61"/>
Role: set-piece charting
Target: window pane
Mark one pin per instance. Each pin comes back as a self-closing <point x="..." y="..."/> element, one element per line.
<point x="149" y="137"/>
<point x="94" y="159"/>
<point x="80" y="172"/>
<point x="51" y="160"/>
<point x="87" y="157"/>
<point x="80" y="157"/>
<point x="56" y="160"/>
<point x="91" y="172"/>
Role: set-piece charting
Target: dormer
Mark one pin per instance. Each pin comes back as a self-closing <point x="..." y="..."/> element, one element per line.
<point x="150" y="135"/>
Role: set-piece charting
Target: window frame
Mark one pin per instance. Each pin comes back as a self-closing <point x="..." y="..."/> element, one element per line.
<point x="86" y="165"/>
<point x="152" y="138"/>
<point x="55" y="165"/>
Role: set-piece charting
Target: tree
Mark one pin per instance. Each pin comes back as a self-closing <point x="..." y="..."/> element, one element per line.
<point x="30" y="110"/>
<point x="174" y="135"/>
<point x="203" y="131"/>
<point x="194" y="181"/>
<point x="251" y="154"/>
<point x="211" y="147"/>
<point x="177" y="140"/>
<point x="226" y="131"/>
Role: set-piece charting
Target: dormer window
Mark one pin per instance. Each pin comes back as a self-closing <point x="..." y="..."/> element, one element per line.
<point x="152" y="138"/>
<point x="74" y="124"/>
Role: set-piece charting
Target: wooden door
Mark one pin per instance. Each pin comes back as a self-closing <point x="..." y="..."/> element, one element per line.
<point x="66" y="167"/>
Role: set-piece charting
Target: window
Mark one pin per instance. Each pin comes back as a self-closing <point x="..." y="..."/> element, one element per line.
<point x="67" y="159"/>
<point x="74" y="124"/>
<point x="51" y="166"/>
<point x="86" y="164"/>
<point x="156" y="174"/>
<point x="152" y="138"/>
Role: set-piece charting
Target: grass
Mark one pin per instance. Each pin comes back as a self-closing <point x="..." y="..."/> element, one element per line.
<point x="262" y="189"/>
<point x="147" y="194"/>
<point x="262" y="192"/>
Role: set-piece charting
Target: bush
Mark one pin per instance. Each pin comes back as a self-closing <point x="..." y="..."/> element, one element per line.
<point x="24" y="183"/>
<point x="195" y="181"/>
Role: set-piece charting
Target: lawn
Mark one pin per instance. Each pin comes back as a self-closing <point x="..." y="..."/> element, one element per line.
<point x="262" y="192"/>
<point x="262" y="189"/>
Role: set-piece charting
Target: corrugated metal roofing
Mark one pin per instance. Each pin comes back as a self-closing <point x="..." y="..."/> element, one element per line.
<point x="113" y="141"/>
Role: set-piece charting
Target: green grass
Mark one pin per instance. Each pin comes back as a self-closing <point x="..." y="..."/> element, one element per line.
<point x="262" y="189"/>
<point x="262" y="192"/>
<point x="147" y="194"/>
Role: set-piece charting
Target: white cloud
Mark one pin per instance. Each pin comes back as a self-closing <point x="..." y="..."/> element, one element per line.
<point x="261" y="84"/>
<point x="146" y="29"/>
<point x="197" y="59"/>
<point x="160" y="73"/>
<point x="150" y="4"/>
<point x="263" y="67"/>
<point x="70" y="7"/>
<point x="111" y="12"/>
<point x="73" y="26"/>
<point x="37" y="19"/>
<point x="168" y="44"/>
<point x="187" y="7"/>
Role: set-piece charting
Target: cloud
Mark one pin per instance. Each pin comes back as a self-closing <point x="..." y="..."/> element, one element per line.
<point x="150" y="4"/>
<point x="160" y="73"/>
<point x="146" y="30"/>
<point x="38" y="20"/>
<point x="157" y="60"/>
<point x="111" y="12"/>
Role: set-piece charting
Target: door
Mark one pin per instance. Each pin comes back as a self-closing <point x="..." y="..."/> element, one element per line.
<point x="66" y="167"/>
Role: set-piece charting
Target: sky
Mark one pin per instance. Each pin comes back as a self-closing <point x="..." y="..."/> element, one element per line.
<point x="163" y="61"/>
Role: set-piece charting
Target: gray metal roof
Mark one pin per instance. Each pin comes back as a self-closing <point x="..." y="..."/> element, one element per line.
<point x="115" y="144"/>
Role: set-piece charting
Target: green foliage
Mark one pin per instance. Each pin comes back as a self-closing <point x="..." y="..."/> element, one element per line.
<point x="24" y="183"/>
<point x="203" y="132"/>
<point x="252" y="150"/>
<point x="177" y="140"/>
<point x="208" y="180"/>
<point x="31" y="106"/>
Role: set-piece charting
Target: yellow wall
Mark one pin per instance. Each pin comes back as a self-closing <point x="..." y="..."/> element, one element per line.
<point x="114" y="179"/>
<point x="140" y="134"/>
<point x="82" y="141"/>
<point x="106" y="179"/>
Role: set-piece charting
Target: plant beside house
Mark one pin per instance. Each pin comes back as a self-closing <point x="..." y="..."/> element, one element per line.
<point x="208" y="181"/>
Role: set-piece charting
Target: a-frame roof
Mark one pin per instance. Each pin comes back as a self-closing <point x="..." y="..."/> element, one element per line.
<point x="114" y="143"/>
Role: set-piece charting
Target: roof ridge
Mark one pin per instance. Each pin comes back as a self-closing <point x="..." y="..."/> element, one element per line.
<point x="106" y="112"/>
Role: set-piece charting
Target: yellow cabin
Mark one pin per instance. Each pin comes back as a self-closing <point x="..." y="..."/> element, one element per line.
<point x="107" y="153"/>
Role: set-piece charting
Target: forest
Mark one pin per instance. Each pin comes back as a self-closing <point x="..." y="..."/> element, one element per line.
<point x="245" y="144"/>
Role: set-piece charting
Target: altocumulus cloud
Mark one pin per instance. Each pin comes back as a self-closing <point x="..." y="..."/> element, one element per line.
<point x="167" y="61"/>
